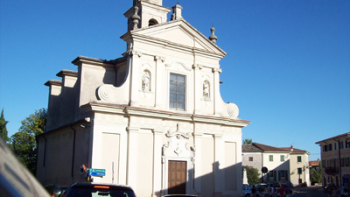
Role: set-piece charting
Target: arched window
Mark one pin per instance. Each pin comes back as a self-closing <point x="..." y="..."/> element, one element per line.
<point x="152" y="22"/>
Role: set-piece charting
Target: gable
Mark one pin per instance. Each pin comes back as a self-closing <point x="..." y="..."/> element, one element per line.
<point x="182" y="33"/>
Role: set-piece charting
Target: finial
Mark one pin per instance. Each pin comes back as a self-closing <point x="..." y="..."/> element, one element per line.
<point x="136" y="18"/>
<point x="213" y="38"/>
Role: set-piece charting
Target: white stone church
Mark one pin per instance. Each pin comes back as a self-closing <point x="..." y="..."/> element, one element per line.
<point x="154" y="119"/>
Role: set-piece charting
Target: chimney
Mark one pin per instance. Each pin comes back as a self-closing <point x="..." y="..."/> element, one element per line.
<point x="291" y="148"/>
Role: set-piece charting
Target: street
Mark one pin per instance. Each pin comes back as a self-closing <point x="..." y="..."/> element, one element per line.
<point x="312" y="191"/>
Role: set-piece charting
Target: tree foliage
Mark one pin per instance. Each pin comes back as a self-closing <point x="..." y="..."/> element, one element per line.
<point x="24" y="143"/>
<point x="316" y="174"/>
<point x="252" y="175"/>
<point x="3" y="129"/>
<point x="247" y="141"/>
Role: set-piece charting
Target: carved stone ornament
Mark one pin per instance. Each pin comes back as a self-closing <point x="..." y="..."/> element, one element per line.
<point x="146" y="81"/>
<point x="206" y="89"/>
<point x="177" y="145"/>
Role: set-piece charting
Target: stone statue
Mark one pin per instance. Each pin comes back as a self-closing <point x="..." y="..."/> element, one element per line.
<point x="206" y="89"/>
<point x="146" y="81"/>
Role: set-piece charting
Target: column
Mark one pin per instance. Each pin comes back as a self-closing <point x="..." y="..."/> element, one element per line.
<point x="132" y="157"/>
<point x="159" y="81"/>
<point x="218" y="155"/>
<point x="198" y="88"/>
<point x="135" y="78"/>
<point x="216" y="86"/>
<point x="157" y="162"/>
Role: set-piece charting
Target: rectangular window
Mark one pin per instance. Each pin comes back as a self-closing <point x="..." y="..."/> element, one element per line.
<point x="325" y="148"/>
<point x="335" y="146"/>
<point x="329" y="147"/>
<point x="250" y="158"/>
<point x="282" y="157"/>
<point x="271" y="173"/>
<point x="300" y="170"/>
<point x="299" y="159"/>
<point x="271" y="158"/>
<point x="177" y="91"/>
<point x="341" y="145"/>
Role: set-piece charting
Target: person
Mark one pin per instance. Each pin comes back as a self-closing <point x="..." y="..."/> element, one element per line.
<point x="281" y="191"/>
<point x="254" y="191"/>
<point x="267" y="192"/>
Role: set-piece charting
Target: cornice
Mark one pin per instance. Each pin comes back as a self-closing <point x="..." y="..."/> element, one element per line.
<point x="93" y="61"/>
<point x="70" y="73"/>
<point x="53" y="82"/>
<point x="169" y="115"/>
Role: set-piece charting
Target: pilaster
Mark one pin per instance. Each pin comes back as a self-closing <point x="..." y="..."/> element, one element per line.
<point x="218" y="155"/>
<point x="197" y="164"/>
<point x="132" y="159"/>
<point x="159" y="80"/>
<point x="157" y="162"/>
<point x="135" y="78"/>
<point x="198" y="92"/>
<point x="216" y="86"/>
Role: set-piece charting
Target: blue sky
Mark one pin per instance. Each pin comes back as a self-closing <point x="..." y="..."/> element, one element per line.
<point x="287" y="68"/>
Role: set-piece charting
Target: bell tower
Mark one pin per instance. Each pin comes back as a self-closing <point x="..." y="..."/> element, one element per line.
<point x="146" y="13"/>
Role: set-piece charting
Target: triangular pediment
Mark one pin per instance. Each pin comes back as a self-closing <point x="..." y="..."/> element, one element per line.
<point x="182" y="33"/>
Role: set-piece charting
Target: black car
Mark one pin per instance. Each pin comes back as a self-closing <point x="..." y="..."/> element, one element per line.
<point x="96" y="189"/>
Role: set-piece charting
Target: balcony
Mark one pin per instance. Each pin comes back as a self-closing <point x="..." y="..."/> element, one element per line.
<point x="331" y="171"/>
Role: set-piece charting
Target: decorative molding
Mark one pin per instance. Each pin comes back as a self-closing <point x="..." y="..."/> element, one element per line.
<point x="157" y="58"/>
<point x="182" y="64"/>
<point x="197" y="66"/>
<point x="217" y="70"/>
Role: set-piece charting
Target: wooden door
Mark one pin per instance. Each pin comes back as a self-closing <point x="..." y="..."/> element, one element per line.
<point x="177" y="172"/>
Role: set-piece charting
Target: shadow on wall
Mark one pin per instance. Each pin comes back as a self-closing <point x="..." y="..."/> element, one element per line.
<point x="221" y="181"/>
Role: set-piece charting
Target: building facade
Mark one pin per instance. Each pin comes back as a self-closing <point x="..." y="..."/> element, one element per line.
<point x="288" y="165"/>
<point x="153" y="119"/>
<point x="298" y="166"/>
<point x="276" y="160"/>
<point x="335" y="153"/>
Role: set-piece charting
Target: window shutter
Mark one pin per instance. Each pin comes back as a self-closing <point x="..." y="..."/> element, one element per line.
<point x="274" y="175"/>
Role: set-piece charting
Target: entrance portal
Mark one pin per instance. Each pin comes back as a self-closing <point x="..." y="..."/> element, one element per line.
<point x="177" y="172"/>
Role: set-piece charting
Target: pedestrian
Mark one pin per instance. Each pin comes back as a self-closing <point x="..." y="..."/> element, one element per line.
<point x="253" y="191"/>
<point x="281" y="191"/>
<point x="267" y="192"/>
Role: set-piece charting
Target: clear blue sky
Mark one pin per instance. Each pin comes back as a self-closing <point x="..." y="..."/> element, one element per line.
<point x="287" y="68"/>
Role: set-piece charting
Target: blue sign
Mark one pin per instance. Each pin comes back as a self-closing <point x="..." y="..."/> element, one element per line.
<point x="97" y="172"/>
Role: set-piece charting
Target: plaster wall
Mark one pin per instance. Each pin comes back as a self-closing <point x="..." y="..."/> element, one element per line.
<point x="54" y="106"/>
<point x="256" y="163"/>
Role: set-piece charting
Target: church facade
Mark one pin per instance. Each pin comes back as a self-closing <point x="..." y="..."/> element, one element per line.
<point x="154" y="119"/>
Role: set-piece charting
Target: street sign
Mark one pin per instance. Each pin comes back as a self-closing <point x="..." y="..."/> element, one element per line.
<point x="97" y="172"/>
<point x="264" y="169"/>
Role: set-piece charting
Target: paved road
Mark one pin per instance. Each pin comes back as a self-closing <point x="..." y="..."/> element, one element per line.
<point x="312" y="191"/>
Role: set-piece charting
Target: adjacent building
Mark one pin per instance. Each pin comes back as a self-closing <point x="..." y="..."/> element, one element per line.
<point x="335" y="153"/>
<point x="287" y="165"/>
<point x="298" y="166"/>
<point x="153" y="119"/>
<point x="273" y="158"/>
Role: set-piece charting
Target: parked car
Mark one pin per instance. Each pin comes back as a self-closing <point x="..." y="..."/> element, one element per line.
<point x="55" y="190"/>
<point x="330" y="187"/>
<point x="287" y="188"/>
<point x="260" y="189"/>
<point x="179" y="195"/>
<point x="97" y="189"/>
<point x="247" y="190"/>
<point x="343" y="192"/>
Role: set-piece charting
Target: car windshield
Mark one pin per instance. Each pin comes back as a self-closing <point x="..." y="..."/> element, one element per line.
<point x="95" y="192"/>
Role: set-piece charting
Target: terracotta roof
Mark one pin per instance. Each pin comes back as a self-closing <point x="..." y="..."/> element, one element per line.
<point x="313" y="163"/>
<point x="335" y="137"/>
<point x="250" y="148"/>
<point x="256" y="147"/>
<point x="295" y="150"/>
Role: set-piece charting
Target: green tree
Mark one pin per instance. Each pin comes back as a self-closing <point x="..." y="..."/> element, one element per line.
<point x="3" y="130"/>
<point x="24" y="143"/>
<point x="316" y="174"/>
<point x="252" y="175"/>
<point x="247" y="141"/>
